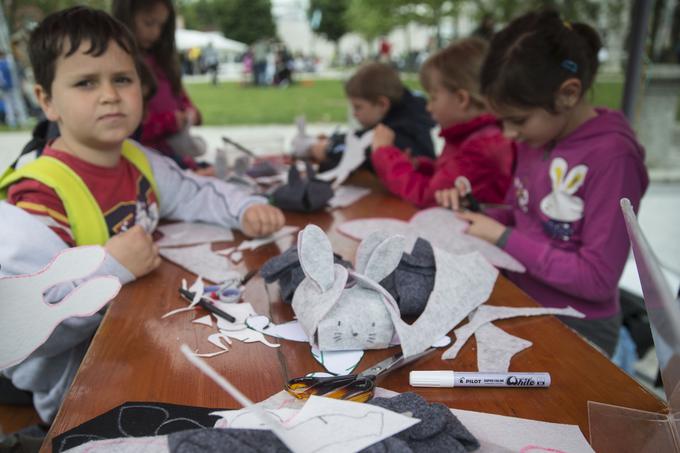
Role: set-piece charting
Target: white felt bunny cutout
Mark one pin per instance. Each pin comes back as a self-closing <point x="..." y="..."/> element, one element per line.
<point x="27" y="320"/>
<point x="561" y="204"/>
<point x="339" y="318"/>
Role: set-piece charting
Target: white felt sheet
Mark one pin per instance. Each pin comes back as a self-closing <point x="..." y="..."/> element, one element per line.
<point x="200" y="260"/>
<point x="184" y="233"/>
<point x="27" y="320"/>
<point x="441" y="228"/>
<point x="347" y="195"/>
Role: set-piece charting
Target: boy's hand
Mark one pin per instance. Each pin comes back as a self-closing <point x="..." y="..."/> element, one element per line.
<point x="382" y="136"/>
<point x="262" y="220"/>
<point x="318" y="149"/>
<point x="448" y="198"/>
<point x="482" y="226"/>
<point x="135" y="250"/>
<point x="181" y="118"/>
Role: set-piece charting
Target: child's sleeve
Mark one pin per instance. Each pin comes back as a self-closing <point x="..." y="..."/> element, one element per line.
<point x="44" y="205"/>
<point x="188" y="197"/>
<point x="593" y="270"/>
<point x="396" y="171"/>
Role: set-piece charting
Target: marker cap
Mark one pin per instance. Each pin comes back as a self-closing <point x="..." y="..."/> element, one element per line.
<point x="431" y="378"/>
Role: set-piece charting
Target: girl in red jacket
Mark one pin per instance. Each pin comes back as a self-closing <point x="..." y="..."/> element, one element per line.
<point x="475" y="155"/>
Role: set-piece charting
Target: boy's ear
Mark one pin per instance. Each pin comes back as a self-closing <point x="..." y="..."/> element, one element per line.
<point x="45" y="102"/>
<point x="384" y="103"/>
<point x="568" y="94"/>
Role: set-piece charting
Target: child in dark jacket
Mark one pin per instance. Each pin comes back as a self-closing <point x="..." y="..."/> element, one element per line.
<point x="377" y="95"/>
<point x="476" y="155"/>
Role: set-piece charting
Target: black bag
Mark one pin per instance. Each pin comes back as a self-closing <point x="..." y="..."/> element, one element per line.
<point x="303" y="195"/>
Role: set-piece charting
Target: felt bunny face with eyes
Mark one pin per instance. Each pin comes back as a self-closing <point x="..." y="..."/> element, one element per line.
<point x="338" y="316"/>
<point x="561" y="204"/>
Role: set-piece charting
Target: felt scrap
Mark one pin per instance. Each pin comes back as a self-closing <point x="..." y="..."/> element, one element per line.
<point x="200" y="260"/>
<point x="496" y="347"/>
<point x="441" y="228"/>
<point x="303" y="195"/>
<point x="489" y="313"/>
<point x="184" y="233"/>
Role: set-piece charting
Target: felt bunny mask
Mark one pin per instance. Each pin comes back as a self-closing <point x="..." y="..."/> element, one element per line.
<point x="337" y="316"/>
<point x="327" y="310"/>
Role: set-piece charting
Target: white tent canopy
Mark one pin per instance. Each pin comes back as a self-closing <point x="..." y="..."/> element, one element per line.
<point x="187" y="39"/>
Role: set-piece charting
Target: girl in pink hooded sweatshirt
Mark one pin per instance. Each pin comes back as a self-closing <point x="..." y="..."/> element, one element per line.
<point x="574" y="163"/>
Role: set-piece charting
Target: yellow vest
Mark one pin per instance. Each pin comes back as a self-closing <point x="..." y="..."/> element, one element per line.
<point x="88" y="225"/>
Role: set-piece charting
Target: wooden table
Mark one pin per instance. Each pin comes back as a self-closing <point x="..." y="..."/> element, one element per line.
<point x="135" y="356"/>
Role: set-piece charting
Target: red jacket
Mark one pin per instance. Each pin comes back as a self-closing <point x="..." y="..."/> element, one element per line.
<point x="475" y="149"/>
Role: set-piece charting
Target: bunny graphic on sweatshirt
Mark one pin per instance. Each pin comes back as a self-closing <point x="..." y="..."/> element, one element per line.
<point x="561" y="206"/>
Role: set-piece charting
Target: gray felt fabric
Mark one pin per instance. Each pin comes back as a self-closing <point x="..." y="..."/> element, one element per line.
<point x="285" y="268"/>
<point x="303" y="195"/>
<point x="438" y="431"/>
<point x="410" y="284"/>
<point x="413" y="280"/>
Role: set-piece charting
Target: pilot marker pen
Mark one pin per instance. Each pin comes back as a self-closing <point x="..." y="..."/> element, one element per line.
<point x="475" y="379"/>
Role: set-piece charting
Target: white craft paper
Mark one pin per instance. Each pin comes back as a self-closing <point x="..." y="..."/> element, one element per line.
<point x="347" y="195"/>
<point x="27" y="320"/>
<point x="498" y="433"/>
<point x="205" y="320"/>
<point x="338" y="362"/>
<point x="183" y="233"/>
<point x="352" y="158"/>
<point x="252" y="244"/>
<point x="441" y="228"/>
<point x="489" y="313"/>
<point x="200" y="260"/>
<point x="496" y="347"/>
<point x="291" y="330"/>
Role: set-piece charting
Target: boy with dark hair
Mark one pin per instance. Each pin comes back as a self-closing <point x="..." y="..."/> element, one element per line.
<point x="377" y="95"/>
<point x="92" y="185"/>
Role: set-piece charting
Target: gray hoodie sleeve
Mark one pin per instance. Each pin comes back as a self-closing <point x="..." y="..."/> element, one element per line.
<point x="26" y="246"/>
<point x="188" y="197"/>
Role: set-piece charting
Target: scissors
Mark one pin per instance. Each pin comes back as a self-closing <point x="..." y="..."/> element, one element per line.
<point x="230" y="290"/>
<point x="353" y="387"/>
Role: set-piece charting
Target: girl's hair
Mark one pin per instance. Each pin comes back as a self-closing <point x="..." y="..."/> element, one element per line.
<point x="530" y="59"/>
<point x="458" y="67"/>
<point x="164" y="49"/>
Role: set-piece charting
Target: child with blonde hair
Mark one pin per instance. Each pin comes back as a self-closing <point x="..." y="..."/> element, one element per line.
<point x="475" y="154"/>
<point x="574" y="163"/>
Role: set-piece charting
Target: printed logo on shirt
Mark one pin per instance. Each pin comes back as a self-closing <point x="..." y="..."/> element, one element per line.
<point x="561" y="206"/>
<point x="141" y="211"/>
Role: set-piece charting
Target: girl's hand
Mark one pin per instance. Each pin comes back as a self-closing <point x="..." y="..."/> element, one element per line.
<point x="482" y="226"/>
<point x="448" y="198"/>
<point x="382" y="136"/>
<point x="191" y="116"/>
<point x="181" y="118"/>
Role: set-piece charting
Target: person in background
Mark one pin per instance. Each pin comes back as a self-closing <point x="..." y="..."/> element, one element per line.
<point x="475" y="154"/>
<point x="170" y="111"/>
<point x="377" y="95"/>
<point x="574" y="163"/>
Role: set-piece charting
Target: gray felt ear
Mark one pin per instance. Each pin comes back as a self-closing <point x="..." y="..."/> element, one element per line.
<point x="316" y="256"/>
<point x="366" y="247"/>
<point x="383" y="259"/>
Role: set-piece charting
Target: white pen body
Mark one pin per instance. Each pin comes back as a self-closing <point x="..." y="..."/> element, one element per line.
<point x="447" y="378"/>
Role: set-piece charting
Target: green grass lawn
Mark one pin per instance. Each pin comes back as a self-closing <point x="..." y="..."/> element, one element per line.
<point x="318" y="100"/>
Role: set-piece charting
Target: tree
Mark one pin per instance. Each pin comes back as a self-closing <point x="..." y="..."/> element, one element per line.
<point x="242" y="20"/>
<point x="371" y="19"/>
<point x="333" y="24"/>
